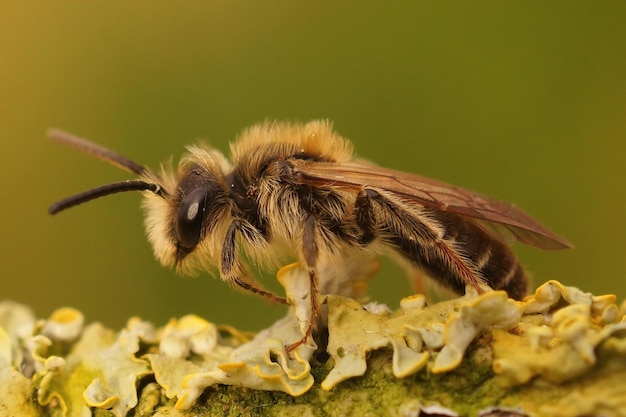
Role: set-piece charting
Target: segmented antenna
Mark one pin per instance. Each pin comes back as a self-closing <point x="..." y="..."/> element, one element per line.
<point x="103" y="190"/>
<point x="112" y="158"/>
<point x="96" y="150"/>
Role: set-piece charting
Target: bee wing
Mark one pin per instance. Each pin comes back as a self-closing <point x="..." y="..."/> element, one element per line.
<point x="492" y="215"/>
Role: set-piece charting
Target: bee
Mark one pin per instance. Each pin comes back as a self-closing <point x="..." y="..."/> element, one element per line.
<point x="297" y="189"/>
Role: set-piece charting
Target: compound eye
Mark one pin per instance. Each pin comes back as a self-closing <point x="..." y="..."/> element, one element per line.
<point x="191" y="213"/>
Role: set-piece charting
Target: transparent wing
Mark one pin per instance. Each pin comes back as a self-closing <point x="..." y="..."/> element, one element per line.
<point x="492" y="215"/>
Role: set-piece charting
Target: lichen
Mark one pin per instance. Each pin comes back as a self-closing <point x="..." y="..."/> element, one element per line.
<point x="560" y="351"/>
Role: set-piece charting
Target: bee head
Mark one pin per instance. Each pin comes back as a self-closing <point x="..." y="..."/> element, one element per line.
<point x="195" y="215"/>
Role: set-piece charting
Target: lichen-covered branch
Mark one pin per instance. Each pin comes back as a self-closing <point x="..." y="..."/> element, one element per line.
<point x="560" y="352"/>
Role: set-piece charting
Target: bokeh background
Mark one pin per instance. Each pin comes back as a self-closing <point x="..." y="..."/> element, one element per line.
<point x="523" y="101"/>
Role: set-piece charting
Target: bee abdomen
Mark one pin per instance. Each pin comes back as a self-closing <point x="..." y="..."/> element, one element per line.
<point x="491" y="257"/>
<point x="464" y="255"/>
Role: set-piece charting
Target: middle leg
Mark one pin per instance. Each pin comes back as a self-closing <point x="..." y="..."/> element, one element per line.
<point x="310" y="251"/>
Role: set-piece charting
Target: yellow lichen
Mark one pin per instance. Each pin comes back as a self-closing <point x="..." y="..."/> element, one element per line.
<point x="416" y="333"/>
<point x="554" y="336"/>
<point x="64" y="325"/>
<point x="15" y="394"/>
<point x="557" y="345"/>
<point x="260" y="363"/>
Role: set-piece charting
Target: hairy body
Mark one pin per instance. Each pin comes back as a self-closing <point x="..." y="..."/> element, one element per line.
<point x="297" y="190"/>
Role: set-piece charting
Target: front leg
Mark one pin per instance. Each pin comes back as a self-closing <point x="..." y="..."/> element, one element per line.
<point x="235" y="272"/>
<point x="310" y="251"/>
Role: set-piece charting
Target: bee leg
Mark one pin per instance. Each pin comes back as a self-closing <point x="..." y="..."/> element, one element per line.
<point x="311" y="253"/>
<point x="365" y="217"/>
<point x="232" y="270"/>
<point x="418" y="237"/>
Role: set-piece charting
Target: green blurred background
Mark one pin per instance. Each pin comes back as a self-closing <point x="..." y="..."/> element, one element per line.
<point x="523" y="101"/>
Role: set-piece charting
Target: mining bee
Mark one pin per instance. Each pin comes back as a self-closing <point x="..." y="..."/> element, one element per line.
<point x="297" y="190"/>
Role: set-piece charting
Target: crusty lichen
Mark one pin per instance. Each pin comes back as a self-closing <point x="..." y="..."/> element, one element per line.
<point x="559" y="352"/>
